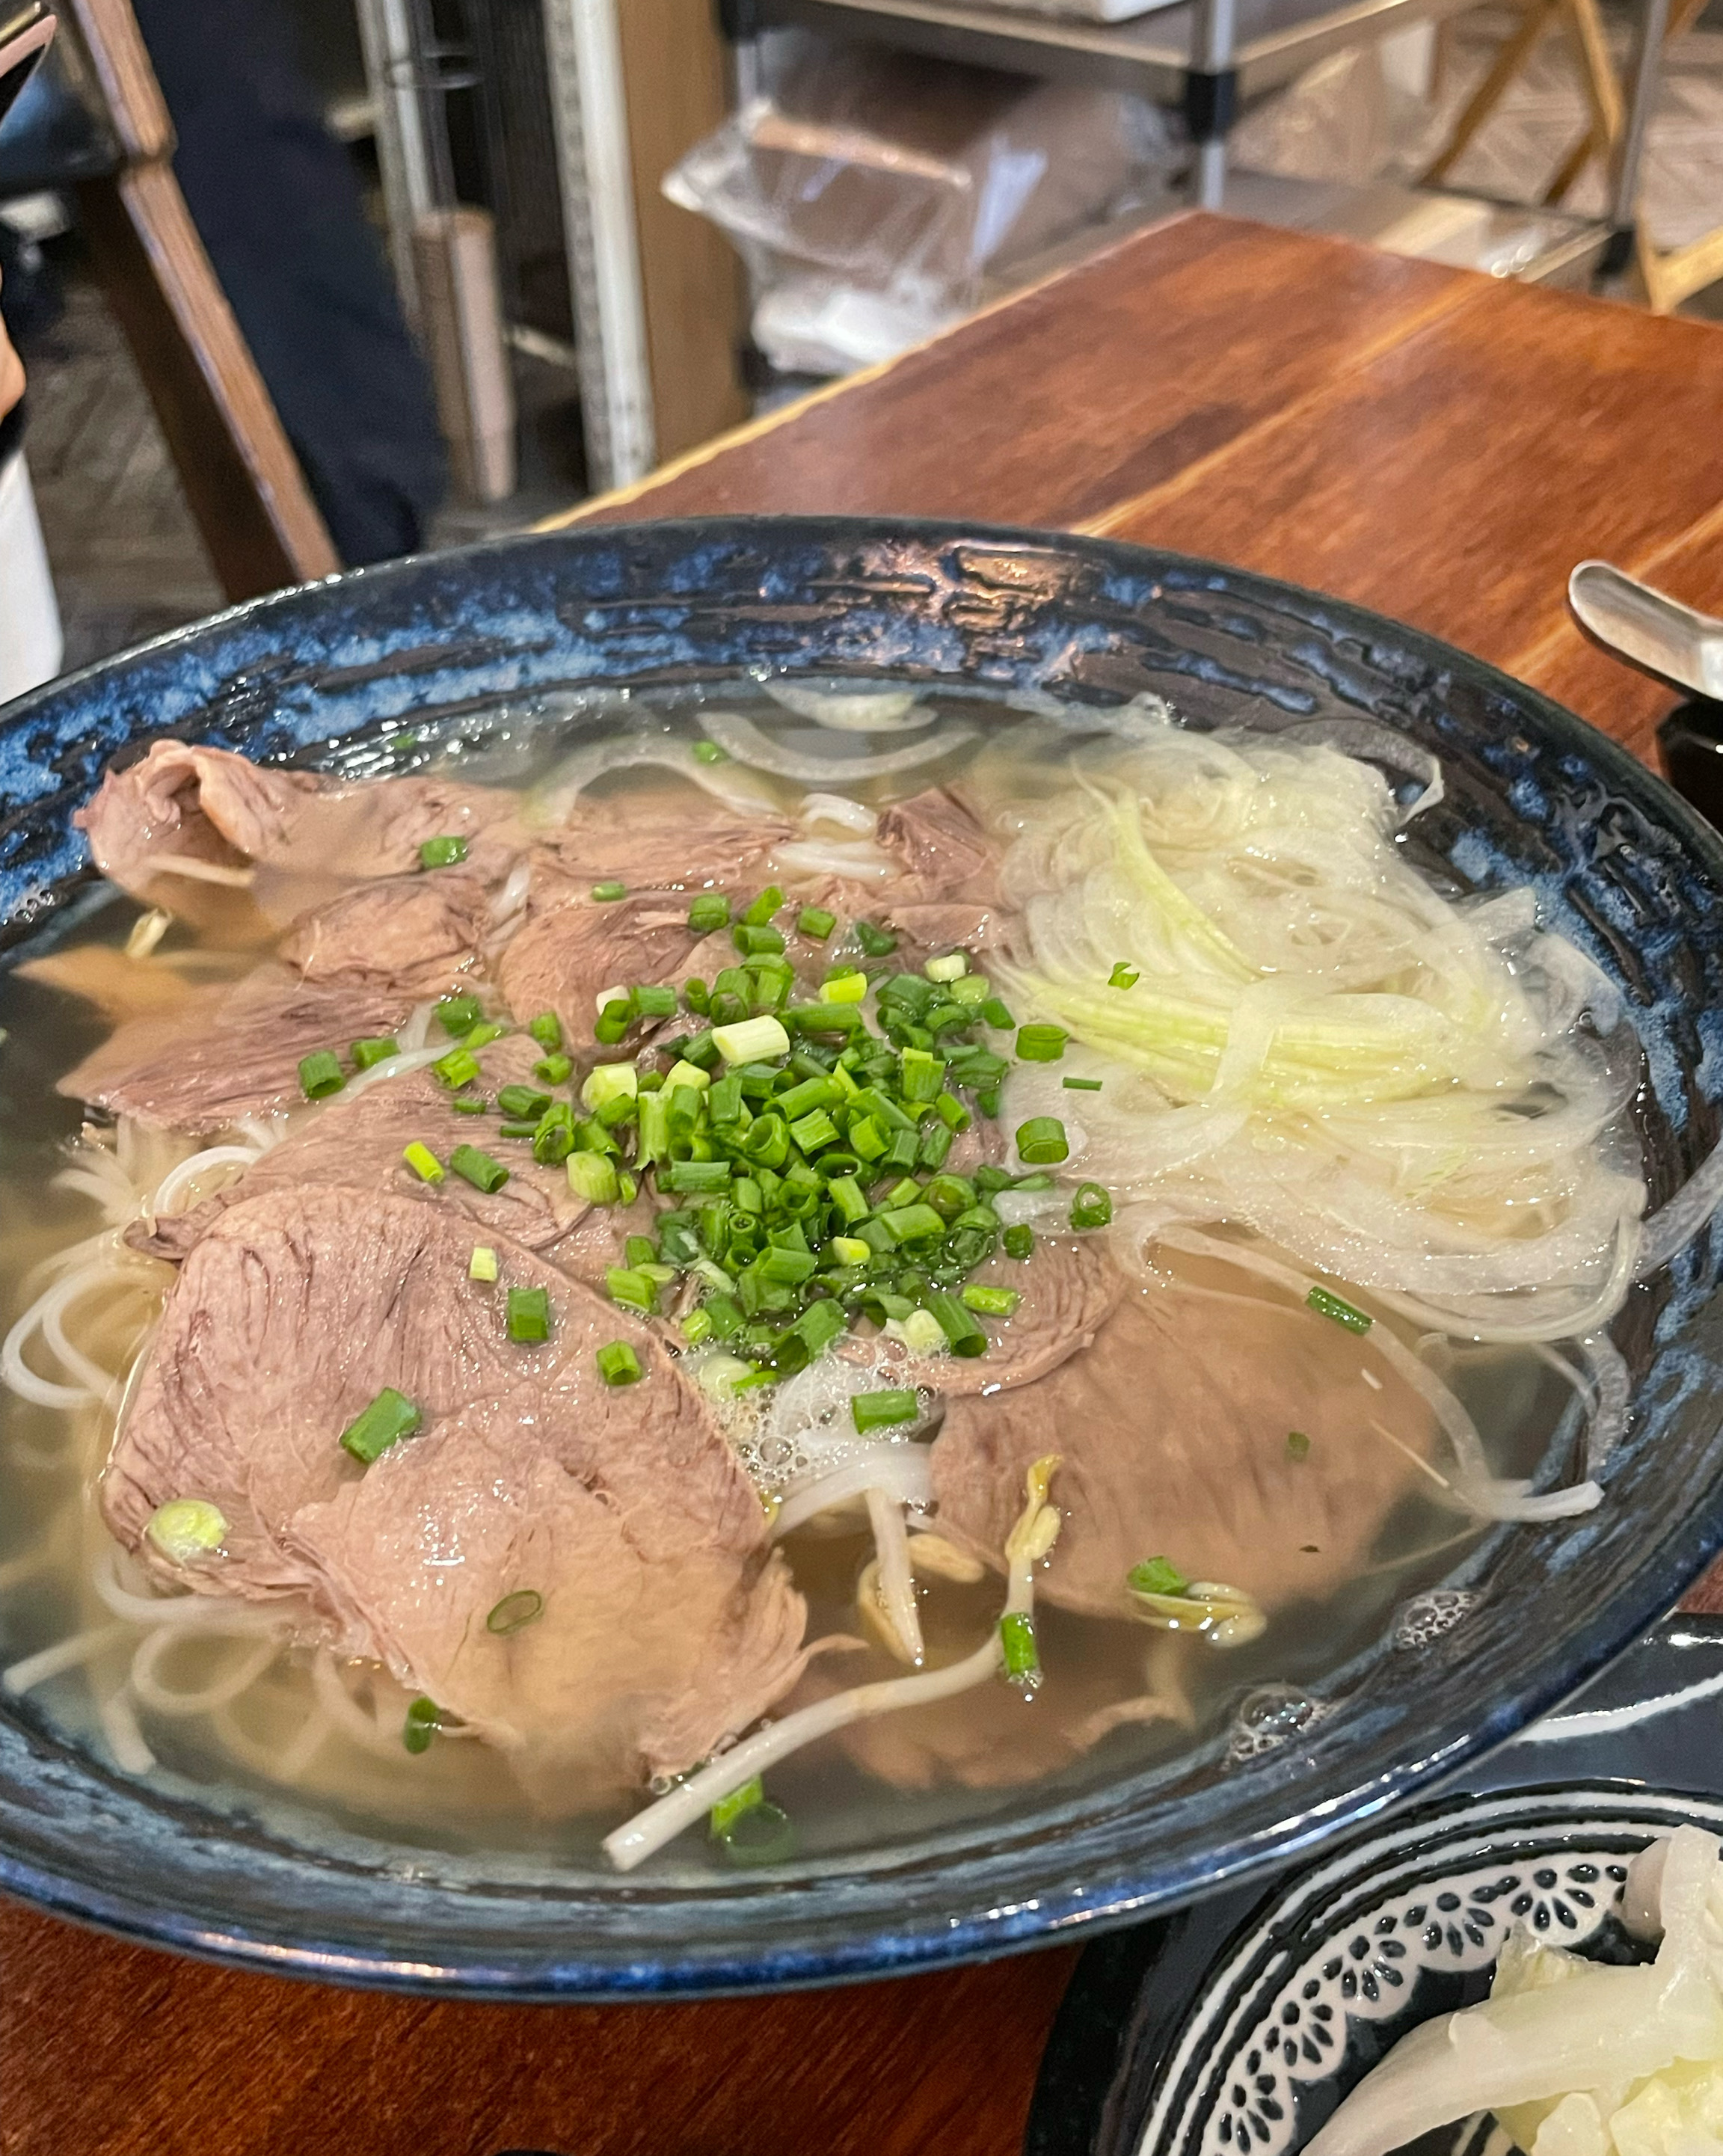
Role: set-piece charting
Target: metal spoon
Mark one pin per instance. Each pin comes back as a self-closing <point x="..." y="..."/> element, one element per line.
<point x="1653" y="632"/>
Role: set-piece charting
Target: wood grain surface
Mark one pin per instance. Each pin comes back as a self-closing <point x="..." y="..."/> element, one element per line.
<point x="1435" y="444"/>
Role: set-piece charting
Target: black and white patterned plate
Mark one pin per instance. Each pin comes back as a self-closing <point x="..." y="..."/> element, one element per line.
<point x="1234" y="2027"/>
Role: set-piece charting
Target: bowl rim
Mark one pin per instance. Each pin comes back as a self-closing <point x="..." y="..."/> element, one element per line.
<point x="871" y="1942"/>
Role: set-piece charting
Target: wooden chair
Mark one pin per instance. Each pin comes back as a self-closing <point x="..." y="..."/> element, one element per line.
<point x="258" y="522"/>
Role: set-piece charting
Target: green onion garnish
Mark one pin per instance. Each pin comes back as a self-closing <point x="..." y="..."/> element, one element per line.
<point x="423" y="1162"/>
<point x="529" y="1316"/>
<point x="478" y="1169"/>
<point x="482" y="1265"/>
<point x="521" y="1104"/>
<point x="607" y="893"/>
<point x="320" y="1075"/>
<point x="422" y="1721"/>
<point x="879" y="1410"/>
<point x="618" y="1364"/>
<point x="1298" y="1446"/>
<point x="1042" y="1140"/>
<point x="554" y="1069"/>
<point x="729" y="1809"/>
<point x="1081" y="1084"/>
<point x="459" y="1067"/>
<point x="991" y="1301"/>
<point x="997" y="1015"/>
<point x="708" y="752"/>
<point x="630" y="1289"/>
<point x="1017" y="1641"/>
<point x="763" y="907"/>
<point x="390" y="1417"/>
<point x="1091" y="1207"/>
<point x="710" y="912"/>
<point x="1040" y="1043"/>
<point x="442" y="853"/>
<point x="516" y="1610"/>
<point x="594" y="1176"/>
<point x="1123" y="976"/>
<point x="1018" y="1242"/>
<point x="877" y="943"/>
<point x="1343" y="1313"/>
<point x="547" y="1029"/>
<point x="754" y="942"/>
<point x="763" y="1834"/>
<point x="367" y="1053"/>
<point x="754" y="1040"/>
<point x="458" y="1014"/>
<point x="816" y="921"/>
<point x="482" y="1034"/>
<point x="963" y="1335"/>
<point x="185" y="1528"/>
<point x="1156" y="1575"/>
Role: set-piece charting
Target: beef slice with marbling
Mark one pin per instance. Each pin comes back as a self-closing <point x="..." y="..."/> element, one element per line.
<point x="667" y="1622"/>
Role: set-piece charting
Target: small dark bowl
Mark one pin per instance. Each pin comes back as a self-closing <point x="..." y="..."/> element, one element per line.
<point x="326" y="674"/>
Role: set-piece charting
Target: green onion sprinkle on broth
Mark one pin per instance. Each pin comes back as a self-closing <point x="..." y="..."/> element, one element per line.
<point x="822" y="1193"/>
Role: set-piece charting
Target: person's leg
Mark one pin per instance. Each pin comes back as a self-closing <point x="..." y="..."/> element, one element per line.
<point x="277" y="203"/>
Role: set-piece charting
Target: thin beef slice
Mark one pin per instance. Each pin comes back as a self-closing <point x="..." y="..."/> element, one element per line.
<point x="1172" y="1432"/>
<point x="668" y="1624"/>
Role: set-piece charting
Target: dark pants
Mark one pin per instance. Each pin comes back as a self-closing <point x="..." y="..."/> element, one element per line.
<point x="276" y="200"/>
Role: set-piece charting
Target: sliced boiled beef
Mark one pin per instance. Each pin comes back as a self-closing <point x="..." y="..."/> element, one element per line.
<point x="416" y="933"/>
<point x="358" y="1144"/>
<point x="943" y="849"/>
<point x="566" y="954"/>
<point x="1173" y="1437"/>
<point x="668" y="1624"/>
<point x="230" y="1051"/>
<point x="181" y="802"/>
<point x="1068" y="1290"/>
<point x="672" y="838"/>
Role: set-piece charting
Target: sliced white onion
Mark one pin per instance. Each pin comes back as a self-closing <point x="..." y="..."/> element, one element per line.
<point x="853" y="711"/>
<point x="816" y="808"/>
<point x="1368" y="742"/>
<point x="743" y="740"/>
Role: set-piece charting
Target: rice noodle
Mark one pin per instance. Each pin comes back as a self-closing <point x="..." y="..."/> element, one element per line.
<point x="63" y="1654"/>
<point x="46" y="1314"/>
<point x="743" y="739"/>
<point x="186" y="864"/>
<point x="853" y="711"/>
<point x="126" y="1740"/>
<point x="178" y="1704"/>
<point x="171" y="1191"/>
<point x="1614" y="1389"/>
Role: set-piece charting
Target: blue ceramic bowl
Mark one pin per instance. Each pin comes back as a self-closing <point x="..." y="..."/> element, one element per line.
<point x="326" y="675"/>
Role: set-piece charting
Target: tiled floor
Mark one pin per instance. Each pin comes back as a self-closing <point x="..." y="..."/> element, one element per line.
<point x="128" y="560"/>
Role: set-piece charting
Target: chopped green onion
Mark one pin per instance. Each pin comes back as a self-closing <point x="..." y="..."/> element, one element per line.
<point x="420" y="1725"/>
<point x="459" y="1067"/>
<point x="708" y="912"/>
<point x="470" y="1104"/>
<point x="951" y="967"/>
<point x="653" y="1001"/>
<point x="482" y="1265"/>
<point x="997" y="1015"/>
<point x="764" y="1833"/>
<point x="442" y="853"/>
<point x="696" y="1328"/>
<point x="529" y="1313"/>
<point x="786" y="1268"/>
<point x="594" y="1176"/>
<point x="610" y="1081"/>
<point x="555" y="1069"/>
<point x="1298" y="1446"/>
<point x="697" y="1177"/>
<point x="1018" y="1242"/>
<point x="1043" y="1139"/>
<point x="763" y="907"/>
<point x="814" y="920"/>
<point x="1040" y="1043"/>
<point x="516" y="1611"/>
<point x="1155" y="1575"/>
<point x="1091" y="1207"/>
<point x="614" y="1022"/>
<point x="813" y="1132"/>
<point x="753" y="1040"/>
<point x="962" y="1334"/>
<point x="547" y="1029"/>
<point x="752" y="942"/>
<point x="458" y="1014"/>
<point x="482" y="1034"/>
<point x="390" y="1417"/>
<point x="911" y="1224"/>
<point x="923" y="1075"/>
<point x="708" y="752"/>
<point x="618" y="1364"/>
<point x="1016" y="1642"/>
<point x="367" y="1054"/>
<point x="729" y="1809"/>
<point x="1081" y="1084"/>
<point x="684" y="1072"/>
<point x="521" y="1104"/>
<point x="185" y="1528"/>
<point x="849" y="1250"/>
<point x="878" y="1410"/>
<point x="1343" y="1313"/>
<point x="1123" y="976"/>
<point x="877" y="943"/>
<point x="991" y="1301"/>
<point x="478" y="1169"/>
<point x="922" y="1333"/>
<point x="843" y="989"/>
<point x="608" y="893"/>
<point x="423" y="1162"/>
<point x="320" y="1075"/>
<point x="631" y="1288"/>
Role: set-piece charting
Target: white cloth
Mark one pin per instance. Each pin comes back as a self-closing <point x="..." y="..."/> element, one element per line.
<point x="31" y="645"/>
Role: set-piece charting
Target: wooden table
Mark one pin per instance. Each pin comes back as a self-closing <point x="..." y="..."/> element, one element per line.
<point x="1418" y="439"/>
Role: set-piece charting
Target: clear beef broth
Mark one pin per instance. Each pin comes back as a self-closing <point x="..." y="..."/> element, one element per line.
<point x="461" y="1794"/>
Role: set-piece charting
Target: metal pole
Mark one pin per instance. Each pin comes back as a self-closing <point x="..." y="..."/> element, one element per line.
<point x="1210" y="91"/>
<point x="1630" y="152"/>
